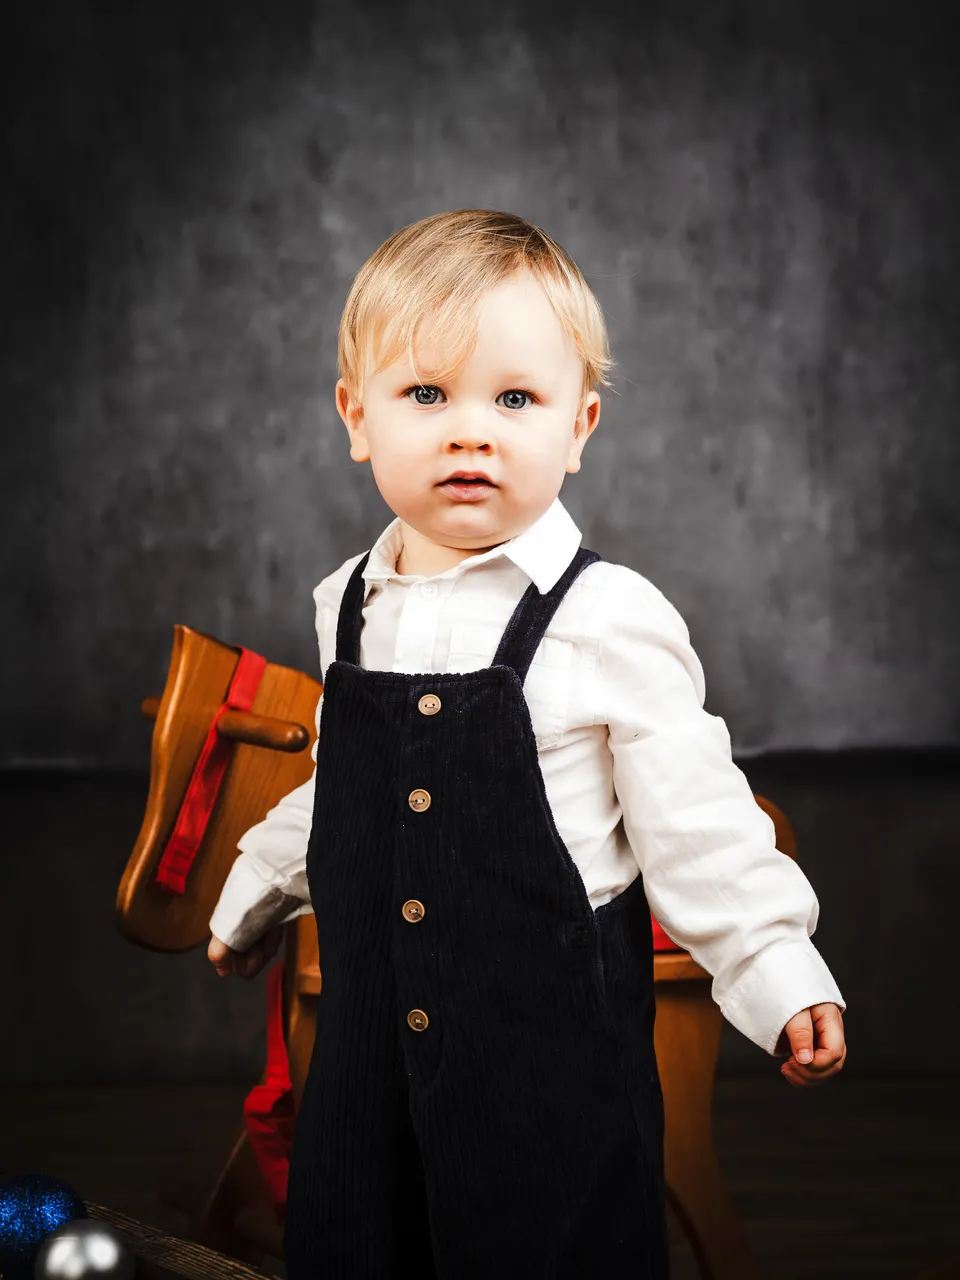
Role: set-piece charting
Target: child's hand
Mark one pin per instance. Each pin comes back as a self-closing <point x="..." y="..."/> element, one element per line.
<point x="818" y="1031"/>
<point x="245" y="964"/>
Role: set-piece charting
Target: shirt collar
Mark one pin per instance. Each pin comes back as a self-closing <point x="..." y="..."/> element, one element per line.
<point x="543" y="550"/>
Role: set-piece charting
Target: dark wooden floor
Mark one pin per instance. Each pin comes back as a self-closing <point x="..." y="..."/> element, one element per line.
<point x="857" y="1178"/>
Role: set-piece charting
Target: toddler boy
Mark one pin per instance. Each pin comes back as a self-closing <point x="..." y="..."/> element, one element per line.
<point x="511" y="730"/>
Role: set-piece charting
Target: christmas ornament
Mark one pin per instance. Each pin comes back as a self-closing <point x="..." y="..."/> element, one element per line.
<point x="32" y="1205"/>
<point x="85" y="1250"/>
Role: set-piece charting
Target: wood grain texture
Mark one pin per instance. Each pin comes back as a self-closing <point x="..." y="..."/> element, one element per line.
<point x="255" y="779"/>
<point x="164" y="1257"/>
<point x="245" y="726"/>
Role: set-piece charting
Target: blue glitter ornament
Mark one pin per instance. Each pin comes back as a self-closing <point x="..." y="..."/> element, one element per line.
<point x="32" y="1205"/>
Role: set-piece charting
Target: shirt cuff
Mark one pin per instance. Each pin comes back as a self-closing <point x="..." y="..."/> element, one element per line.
<point x="780" y="982"/>
<point x="248" y="907"/>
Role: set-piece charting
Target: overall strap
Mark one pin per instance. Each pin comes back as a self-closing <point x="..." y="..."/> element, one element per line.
<point x="350" y="618"/>
<point x="520" y="638"/>
<point x="532" y="615"/>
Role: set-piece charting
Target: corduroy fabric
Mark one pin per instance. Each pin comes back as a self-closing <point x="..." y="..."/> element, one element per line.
<point x="521" y="1133"/>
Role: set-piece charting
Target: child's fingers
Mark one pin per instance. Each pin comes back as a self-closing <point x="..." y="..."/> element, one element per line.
<point x="253" y="960"/>
<point x="220" y="956"/>
<point x="830" y="1043"/>
<point x="256" y="957"/>
<point x="815" y="1036"/>
<point x="828" y="1021"/>
<point x="245" y="964"/>
<point x="800" y="1076"/>
<point x="217" y="951"/>
<point x="830" y="1048"/>
<point x="249" y="961"/>
<point x="799" y="1032"/>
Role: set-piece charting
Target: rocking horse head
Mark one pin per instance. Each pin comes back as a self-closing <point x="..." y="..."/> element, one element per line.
<point x="230" y="739"/>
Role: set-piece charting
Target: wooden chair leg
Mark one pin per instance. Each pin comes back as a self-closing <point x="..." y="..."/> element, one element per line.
<point x="687" y="1033"/>
<point x="236" y="1191"/>
<point x="235" y="1215"/>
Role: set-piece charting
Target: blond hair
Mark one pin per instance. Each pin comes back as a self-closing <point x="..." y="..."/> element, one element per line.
<point x="445" y="264"/>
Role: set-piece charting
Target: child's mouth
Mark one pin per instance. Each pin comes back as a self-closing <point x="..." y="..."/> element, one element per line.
<point x="467" y="489"/>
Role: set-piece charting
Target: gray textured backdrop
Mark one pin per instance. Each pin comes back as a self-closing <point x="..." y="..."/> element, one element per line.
<point x="765" y="199"/>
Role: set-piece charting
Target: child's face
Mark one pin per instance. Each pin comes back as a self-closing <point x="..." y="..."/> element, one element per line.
<point x="478" y="421"/>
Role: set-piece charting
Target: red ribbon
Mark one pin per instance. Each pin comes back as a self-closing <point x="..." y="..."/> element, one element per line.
<point x="269" y="1110"/>
<point x="204" y="785"/>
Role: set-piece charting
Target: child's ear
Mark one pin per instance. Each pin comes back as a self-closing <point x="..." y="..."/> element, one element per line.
<point x="587" y="420"/>
<point x="352" y="415"/>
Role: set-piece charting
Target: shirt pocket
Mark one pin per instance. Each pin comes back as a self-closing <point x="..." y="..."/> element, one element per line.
<point x="547" y="684"/>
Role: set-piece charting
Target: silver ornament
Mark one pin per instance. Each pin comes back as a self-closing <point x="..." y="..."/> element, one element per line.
<point x="85" y="1249"/>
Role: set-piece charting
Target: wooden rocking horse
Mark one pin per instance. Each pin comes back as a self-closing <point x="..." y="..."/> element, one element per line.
<point x="232" y="736"/>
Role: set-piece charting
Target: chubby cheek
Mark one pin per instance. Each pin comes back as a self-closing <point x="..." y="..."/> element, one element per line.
<point x="542" y="471"/>
<point x="397" y="472"/>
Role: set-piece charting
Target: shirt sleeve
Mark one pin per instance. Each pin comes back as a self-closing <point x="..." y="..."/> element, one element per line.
<point x="267" y="884"/>
<point x="713" y="876"/>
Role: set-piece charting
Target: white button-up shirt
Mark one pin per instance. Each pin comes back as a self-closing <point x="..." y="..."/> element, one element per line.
<point x="638" y="775"/>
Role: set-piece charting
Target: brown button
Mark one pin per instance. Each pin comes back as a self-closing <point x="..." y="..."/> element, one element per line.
<point x="418" y="1019"/>
<point x="419" y="800"/>
<point x="412" y="910"/>
<point x="429" y="704"/>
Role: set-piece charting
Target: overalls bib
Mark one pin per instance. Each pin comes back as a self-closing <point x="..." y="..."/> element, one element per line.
<point x="483" y="1097"/>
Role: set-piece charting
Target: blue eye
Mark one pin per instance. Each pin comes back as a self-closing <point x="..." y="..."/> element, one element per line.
<point x="514" y="391"/>
<point x="419" y="388"/>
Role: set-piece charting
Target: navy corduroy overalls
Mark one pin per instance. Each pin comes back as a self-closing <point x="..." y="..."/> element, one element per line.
<point x="483" y="1098"/>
